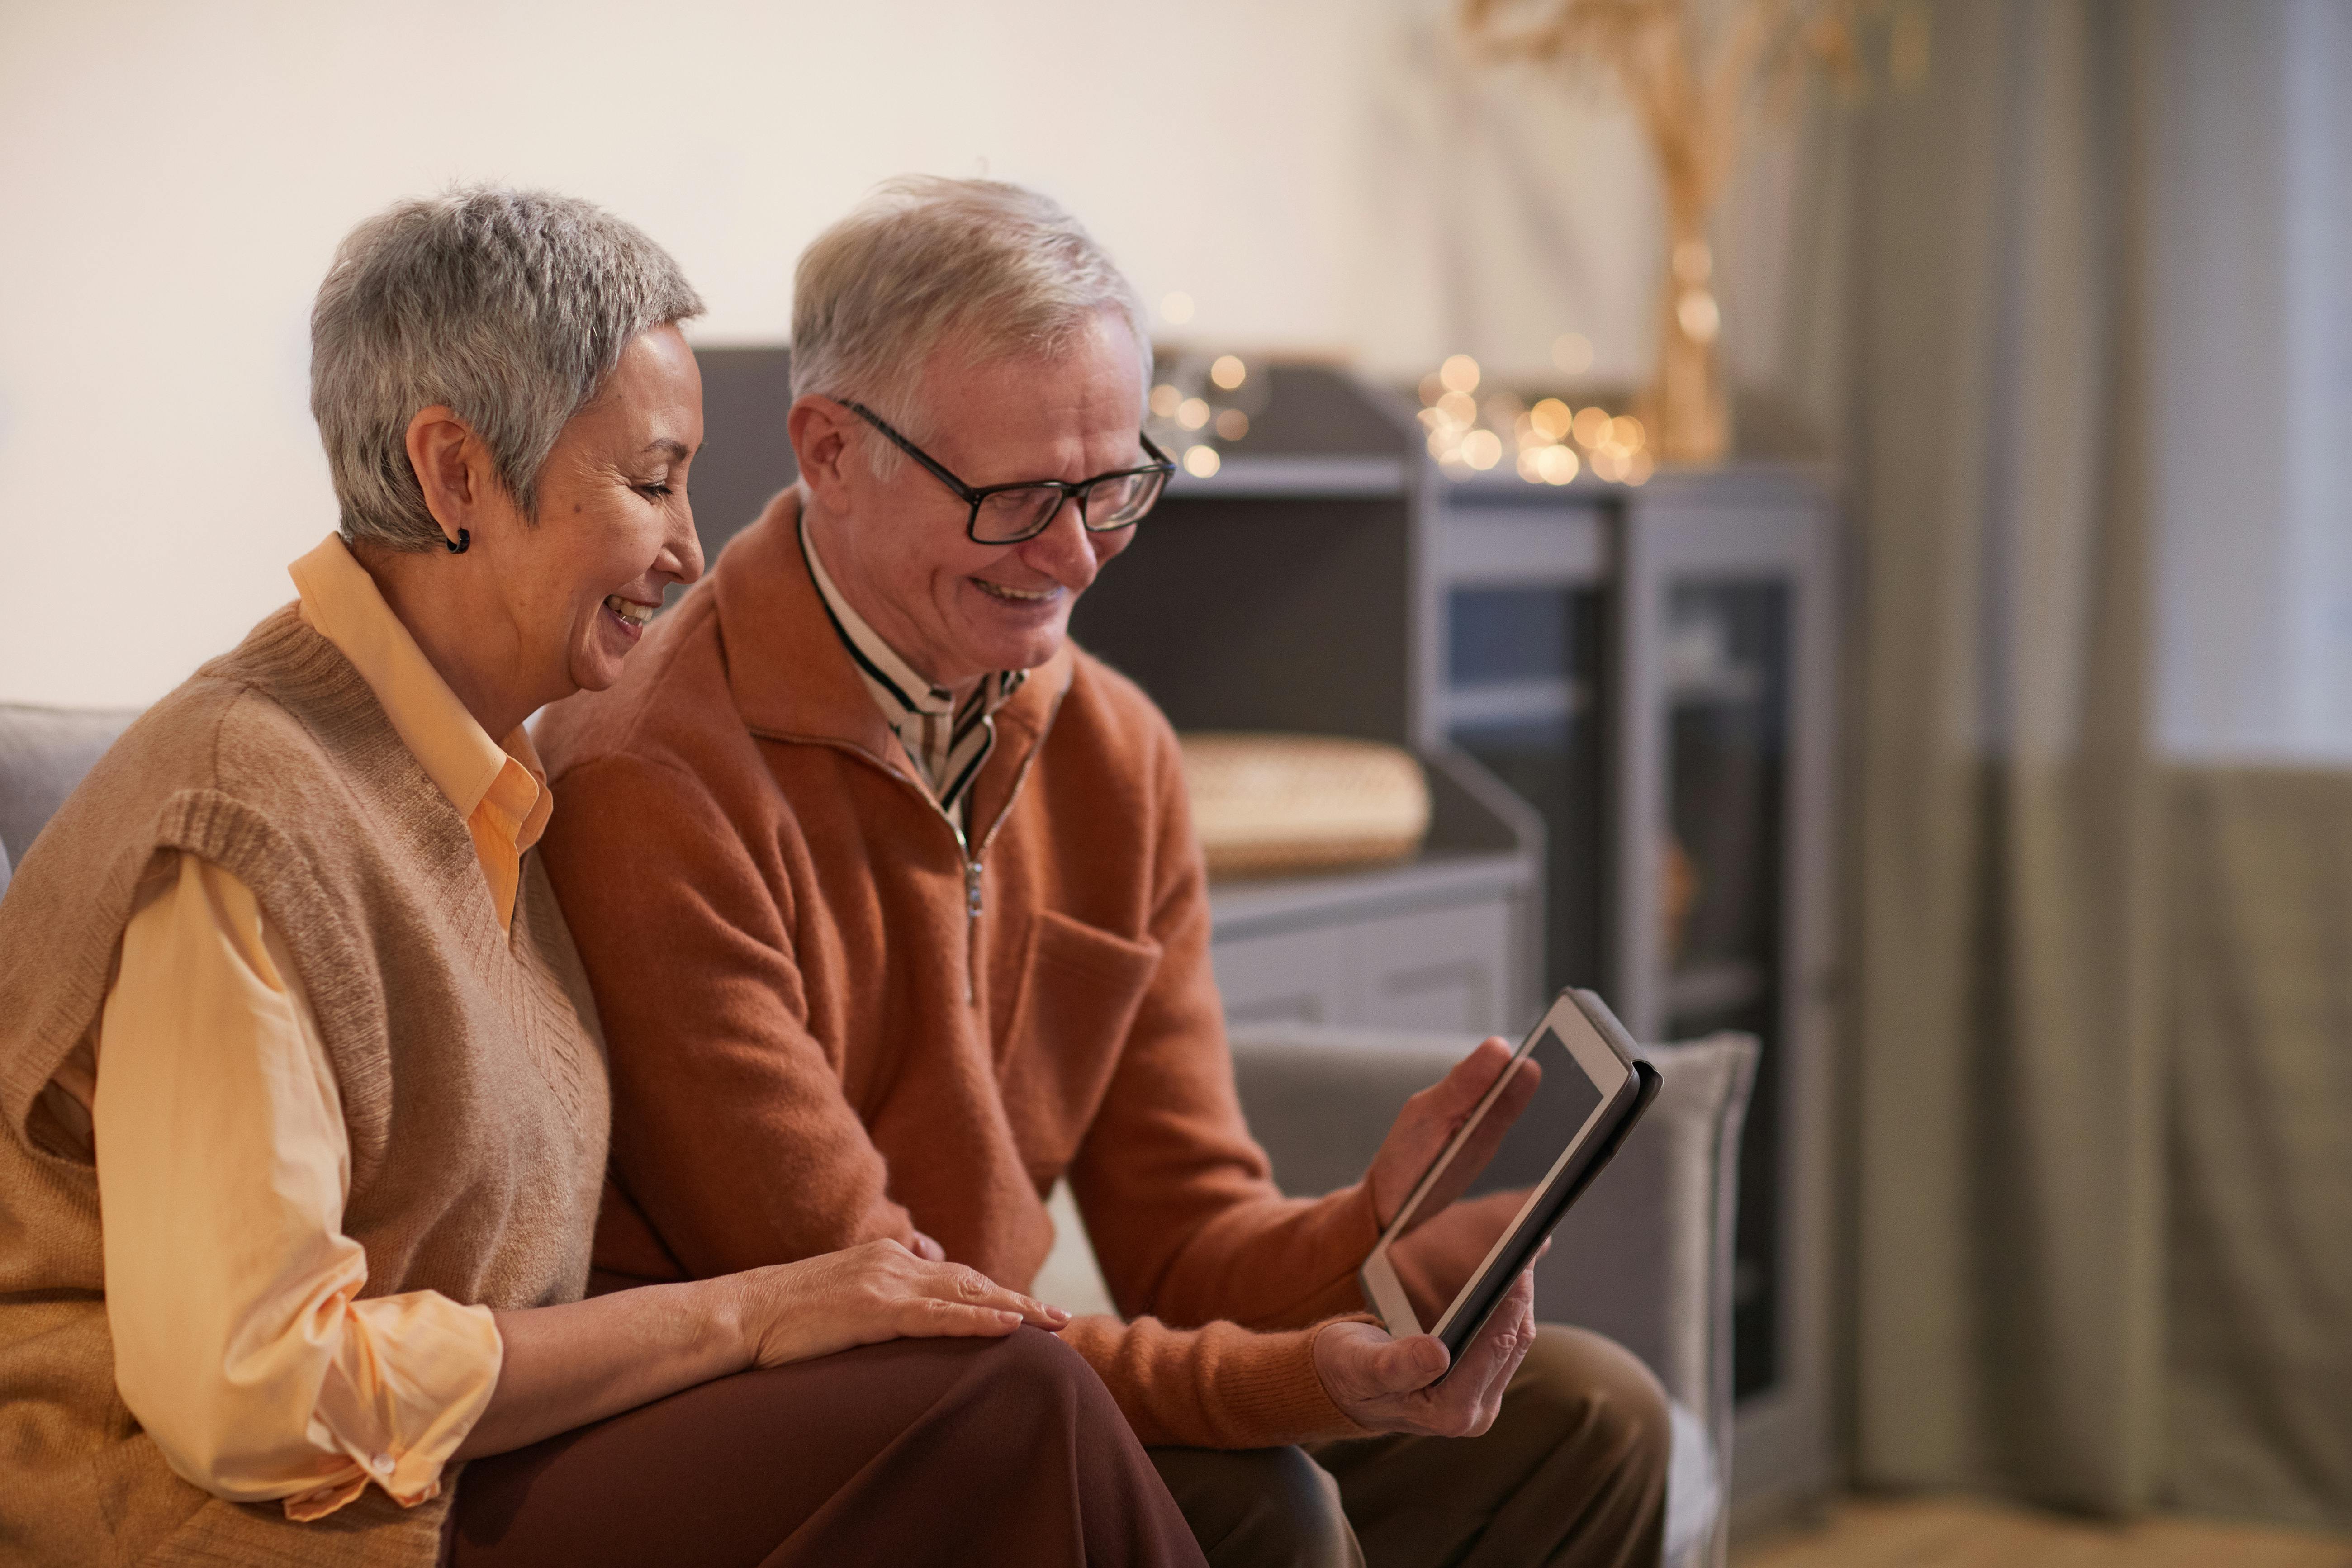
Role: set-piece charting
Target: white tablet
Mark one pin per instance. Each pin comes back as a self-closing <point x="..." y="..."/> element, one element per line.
<point x="1527" y="1151"/>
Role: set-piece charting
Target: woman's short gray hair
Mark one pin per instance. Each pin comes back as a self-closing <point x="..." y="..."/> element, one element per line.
<point x="510" y="307"/>
<point x="1001" y="269"/>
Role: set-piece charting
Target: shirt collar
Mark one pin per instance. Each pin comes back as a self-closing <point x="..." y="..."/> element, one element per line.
<point x="792" y="679"/>
<point x="875" y="659"/>
<point x="342" y="604"/>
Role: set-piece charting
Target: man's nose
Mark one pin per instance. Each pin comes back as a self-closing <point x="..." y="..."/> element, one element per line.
<point x="1062" y="550"/>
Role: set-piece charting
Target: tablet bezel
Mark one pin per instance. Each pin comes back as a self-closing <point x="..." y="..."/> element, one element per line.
<point x="1601" y="1049"/>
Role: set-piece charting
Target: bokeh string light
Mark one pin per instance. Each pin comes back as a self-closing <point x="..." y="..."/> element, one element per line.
<point x="1201" y="403"/>
<point x="1549" y="441"/>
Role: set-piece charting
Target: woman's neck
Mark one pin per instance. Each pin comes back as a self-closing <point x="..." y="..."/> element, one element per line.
<point x="463" y="630"/>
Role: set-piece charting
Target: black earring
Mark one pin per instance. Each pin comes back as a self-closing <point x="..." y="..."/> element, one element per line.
<point x="458" y="545"/>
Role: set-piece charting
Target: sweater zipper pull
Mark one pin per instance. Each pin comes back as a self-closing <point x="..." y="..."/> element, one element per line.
<point x="972" y="932"/>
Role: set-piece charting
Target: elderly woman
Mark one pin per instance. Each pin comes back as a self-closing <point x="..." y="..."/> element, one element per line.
<point x="284" y="990"/>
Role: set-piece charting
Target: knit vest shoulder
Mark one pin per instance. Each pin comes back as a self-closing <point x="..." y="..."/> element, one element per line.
<point x="471" y="1072"/>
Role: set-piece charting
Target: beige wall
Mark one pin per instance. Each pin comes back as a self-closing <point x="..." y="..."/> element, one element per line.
<point x="1317" y="174"/>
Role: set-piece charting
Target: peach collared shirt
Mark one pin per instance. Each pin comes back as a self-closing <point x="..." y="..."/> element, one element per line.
<point x="224" y="1165"/>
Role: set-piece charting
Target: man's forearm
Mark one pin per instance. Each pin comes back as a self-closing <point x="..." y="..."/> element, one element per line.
<point x="1272" y="1264"/>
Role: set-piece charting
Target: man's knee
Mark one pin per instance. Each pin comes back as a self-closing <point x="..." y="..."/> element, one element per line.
<point x="1598" y="1395"/>
<point x="1259" y="1508"/>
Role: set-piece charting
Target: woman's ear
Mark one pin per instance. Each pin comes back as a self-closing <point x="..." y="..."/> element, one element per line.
<point x="453" y="468"/>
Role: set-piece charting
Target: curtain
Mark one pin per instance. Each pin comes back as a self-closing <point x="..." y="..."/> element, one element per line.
<point x="2101" y="1033"/>
<point x="2261" y="955"/>
<point x="2253" y="246"/>
<point x="2009" y="1210"/>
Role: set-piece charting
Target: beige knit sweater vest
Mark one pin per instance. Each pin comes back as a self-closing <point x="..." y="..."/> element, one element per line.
<point x="472" y="1078"/>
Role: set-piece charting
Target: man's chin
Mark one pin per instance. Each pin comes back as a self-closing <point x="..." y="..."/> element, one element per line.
<point x="1020" y="653"/>
<point x="1039" y="651"/>
<point x="1018" y="648"/>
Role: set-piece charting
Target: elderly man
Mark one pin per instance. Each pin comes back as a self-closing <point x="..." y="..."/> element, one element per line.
<point x="893" y="911"/>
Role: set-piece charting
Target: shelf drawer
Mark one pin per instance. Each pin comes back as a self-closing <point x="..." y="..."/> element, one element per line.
<point x="1445" y="969"/>
<point x="1289" y="978"/>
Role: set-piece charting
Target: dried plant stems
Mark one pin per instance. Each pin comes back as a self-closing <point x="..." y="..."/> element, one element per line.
<point x="1690" y="92"/>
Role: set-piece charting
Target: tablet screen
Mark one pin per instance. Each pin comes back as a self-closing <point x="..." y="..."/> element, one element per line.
<point x="1458" y="1220"/>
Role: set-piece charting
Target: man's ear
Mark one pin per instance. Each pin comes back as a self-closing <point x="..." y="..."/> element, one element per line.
<point x="820" y="432"/>
<point x="453" y="468"/>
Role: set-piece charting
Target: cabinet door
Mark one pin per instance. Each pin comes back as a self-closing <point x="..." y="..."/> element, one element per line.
<point x="1720" y="796"/>
<point x="1723" y="846"/>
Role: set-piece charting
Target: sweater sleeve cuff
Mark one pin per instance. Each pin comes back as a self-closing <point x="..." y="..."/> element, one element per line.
<point x="1276" y="1396"/>
<point x="1222" y="1387"/>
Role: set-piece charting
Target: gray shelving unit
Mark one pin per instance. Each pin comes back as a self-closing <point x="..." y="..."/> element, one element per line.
<point x="1653" y="671"/>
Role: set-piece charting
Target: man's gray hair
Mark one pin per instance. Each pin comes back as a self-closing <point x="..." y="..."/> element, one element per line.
<point x="510" y="307"/>
<point x="996" y="269"/>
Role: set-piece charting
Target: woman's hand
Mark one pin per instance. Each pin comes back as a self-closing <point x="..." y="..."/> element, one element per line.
<point x="566" y="1366"/>
<point x="864" y="1295"/>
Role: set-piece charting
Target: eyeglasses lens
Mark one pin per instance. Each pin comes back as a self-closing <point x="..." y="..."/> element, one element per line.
<point x="1008" y="516"/>
<point x="1120" y="500"/>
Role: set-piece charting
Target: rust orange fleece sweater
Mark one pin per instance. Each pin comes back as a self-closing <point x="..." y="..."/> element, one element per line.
<point x="813" y="1043"/>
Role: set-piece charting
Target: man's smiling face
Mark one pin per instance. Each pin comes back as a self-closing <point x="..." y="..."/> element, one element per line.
<point x="897" y="547"/>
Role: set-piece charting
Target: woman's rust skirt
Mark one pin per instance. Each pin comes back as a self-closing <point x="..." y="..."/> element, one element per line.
<point x="916" y="1451"/>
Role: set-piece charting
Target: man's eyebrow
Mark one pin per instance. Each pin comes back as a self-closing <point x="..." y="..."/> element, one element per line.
<point x="675" y="449"/>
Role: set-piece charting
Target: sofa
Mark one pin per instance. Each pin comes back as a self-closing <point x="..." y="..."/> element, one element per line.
<point x="1645" y="1256"/>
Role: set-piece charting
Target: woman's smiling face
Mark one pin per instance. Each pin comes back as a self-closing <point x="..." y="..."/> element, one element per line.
<point x="614" y="528"/>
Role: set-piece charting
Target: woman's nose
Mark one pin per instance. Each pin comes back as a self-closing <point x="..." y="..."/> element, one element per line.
<point x="683" y="558"/>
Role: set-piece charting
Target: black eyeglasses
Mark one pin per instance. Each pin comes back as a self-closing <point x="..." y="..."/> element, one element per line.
<point x="1007" y="514"/>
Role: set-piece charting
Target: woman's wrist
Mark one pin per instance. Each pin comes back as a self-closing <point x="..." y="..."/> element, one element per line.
<point x="721" y="1320"/>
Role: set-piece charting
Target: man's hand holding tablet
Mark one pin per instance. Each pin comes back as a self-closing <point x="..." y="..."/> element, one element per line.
<point x="1393" y="1385"/>
<point x="1520" y="1134"/>
<point x="1384" y="1382"/>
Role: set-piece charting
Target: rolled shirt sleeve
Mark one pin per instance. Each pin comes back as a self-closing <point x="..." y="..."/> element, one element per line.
<point x="223" y="1170"/>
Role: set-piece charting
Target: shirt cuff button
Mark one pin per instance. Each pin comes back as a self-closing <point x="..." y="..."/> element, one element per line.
<point x="381" y="1464"/>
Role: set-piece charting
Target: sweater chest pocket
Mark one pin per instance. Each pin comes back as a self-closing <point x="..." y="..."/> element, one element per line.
<point x="1080" y="989"/>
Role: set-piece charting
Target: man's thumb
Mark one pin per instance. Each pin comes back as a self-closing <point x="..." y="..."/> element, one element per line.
<point x="1408" y="1365"/>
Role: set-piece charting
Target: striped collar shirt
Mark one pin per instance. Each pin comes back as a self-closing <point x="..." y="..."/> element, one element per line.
<point x="946" y="741"/>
